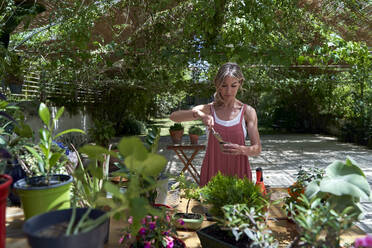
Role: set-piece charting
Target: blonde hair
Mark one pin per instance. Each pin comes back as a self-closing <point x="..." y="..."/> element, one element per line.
<point x="226" y="70"/>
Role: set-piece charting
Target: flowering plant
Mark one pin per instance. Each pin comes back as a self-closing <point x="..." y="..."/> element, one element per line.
<point x="364" y="242"/>
<point x="155" y="231"/>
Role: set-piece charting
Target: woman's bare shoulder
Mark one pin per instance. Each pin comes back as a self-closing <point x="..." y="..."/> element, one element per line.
<point x="250" y="112"/>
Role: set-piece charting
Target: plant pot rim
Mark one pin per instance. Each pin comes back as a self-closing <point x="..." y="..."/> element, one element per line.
<point x="201" y="218"/>
<point x="43" y="221"/>
<point x="23" y="185"/>
<point x="8" y="181"/>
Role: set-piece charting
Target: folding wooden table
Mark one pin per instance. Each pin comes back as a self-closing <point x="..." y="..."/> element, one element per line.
<point x="180" y="149"/>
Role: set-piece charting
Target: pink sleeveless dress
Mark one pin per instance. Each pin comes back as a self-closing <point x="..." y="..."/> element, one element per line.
<point x="215" y="160"/>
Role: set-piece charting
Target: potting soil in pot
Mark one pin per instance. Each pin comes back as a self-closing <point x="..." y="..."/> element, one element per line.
<point x="54" y="231"/>
<point x="227" y="237"/>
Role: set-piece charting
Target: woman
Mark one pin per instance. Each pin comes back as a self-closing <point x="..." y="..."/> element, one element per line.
<point x="233" y="120"/>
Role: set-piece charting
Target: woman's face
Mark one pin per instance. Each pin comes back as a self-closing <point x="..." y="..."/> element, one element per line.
<point x="229" y="88"/>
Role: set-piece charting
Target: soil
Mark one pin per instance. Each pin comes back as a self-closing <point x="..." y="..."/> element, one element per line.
<point x="178" y="244"/>
<point x="191" y="216"/>
<point x="3" y="180"/>
<point x="54" y="231"/>
<point x="227" y="237"/>
<point x="41" y="182"/>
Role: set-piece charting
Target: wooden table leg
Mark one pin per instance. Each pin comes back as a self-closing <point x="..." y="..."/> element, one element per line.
<point x="187" y="164"/>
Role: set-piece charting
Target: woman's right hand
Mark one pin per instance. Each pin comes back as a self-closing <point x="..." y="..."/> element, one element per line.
<point x="208" y="121"/>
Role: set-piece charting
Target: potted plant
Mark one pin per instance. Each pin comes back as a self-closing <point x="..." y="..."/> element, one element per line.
<point x="194" y="133"/>
<point x="330" y="205"/>
<point x="10" y="134"/>
<point x="155" y="231"/>
<point x="88" y="226"/>
<point x="142" y="167"/>
<point x="74" y="227"/>
<point x="189" y="190"/>
<point x="47" y="192"/>
<point x="303" y="178"/>
<point x="176" y="132"/>
<point x="226" y="190"/>
<point x="240" y="226"/>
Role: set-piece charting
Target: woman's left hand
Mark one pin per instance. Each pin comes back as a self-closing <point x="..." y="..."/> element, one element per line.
<point x="232" y="149"/>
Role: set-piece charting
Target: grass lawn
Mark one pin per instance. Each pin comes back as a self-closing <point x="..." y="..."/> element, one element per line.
<point x="165" y="123"/>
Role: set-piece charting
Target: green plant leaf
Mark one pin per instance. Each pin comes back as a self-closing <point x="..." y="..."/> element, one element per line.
<point x="34" y="153"/>
<point x="44" y="114"/>
<point x="133" y="146"/>
<point x="345" y="179"/>
<point x="113" y="189"/>
<point x="153" y="165"/>
<point x="23" y="130"/>
<point x="54" y="158"/>
<point x="312" y="189"/>
<point x="59" y="113"/>
<point x="95" y="171"/>
<point x="76" y="130"/>
<point x="96" y="152"/>
<point x="353" y="185"/>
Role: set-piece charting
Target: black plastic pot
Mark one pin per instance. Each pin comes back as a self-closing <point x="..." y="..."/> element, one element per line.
<point x="14" y="169"/>
<point x="92" y="239"/>
<point x="209" y="241"/>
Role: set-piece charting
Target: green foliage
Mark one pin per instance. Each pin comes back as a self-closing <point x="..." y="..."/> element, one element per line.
<point x="142" y="170"/>
<point x="176" y="126"/>
<point x="76" y="140"/>
<point x="101" y="132"/>
<point x="320" y="225"/>
<point x="243" y="221"/>
<point x="189" y="190"/>
<point x="48" y="158"/>
<point x="225" y="190"/>
<point x="144" y="66"/>
<point x="195" y="130"/>
<point x="130" y="127"/>
<point x="14" y="133"/>
<point x="152" y="139"/>
<point x="90" y="179"/>
<point x="343" y="185"/>
<point x="331" y="204"/>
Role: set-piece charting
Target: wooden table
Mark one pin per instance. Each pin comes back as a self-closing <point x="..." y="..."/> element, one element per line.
<point x="180" y="149"/>
<point x="282" y="230"/>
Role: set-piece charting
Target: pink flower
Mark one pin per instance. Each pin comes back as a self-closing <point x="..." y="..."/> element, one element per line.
<point x="365" y="242"/>
<point x="152" y="225"/>
<point x="147" y="244"/>
<point x="169" y="242"/>
<point x="143" y="221"/>
<point x="181" y="222"/>
<point x="142" y="231"/>
<point x="130" y="220"/>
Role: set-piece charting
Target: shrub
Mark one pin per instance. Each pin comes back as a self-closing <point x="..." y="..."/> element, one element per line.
<point x="225" y="190"/>
<point x="130" y="127"/>
<point x="176" y="126"/>
<point x="195" y="130"/>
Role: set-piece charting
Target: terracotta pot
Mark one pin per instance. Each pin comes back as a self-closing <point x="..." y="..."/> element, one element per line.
<point x="176" y="136"/>
<point x="194" y="139"/>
